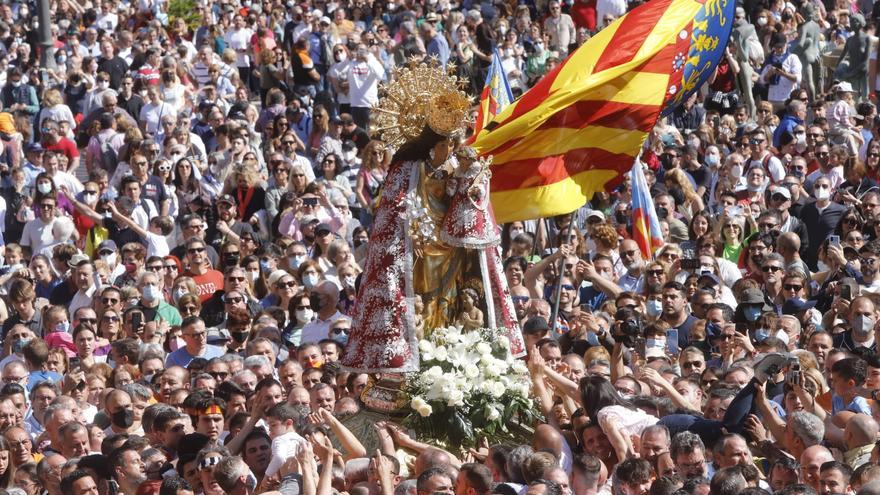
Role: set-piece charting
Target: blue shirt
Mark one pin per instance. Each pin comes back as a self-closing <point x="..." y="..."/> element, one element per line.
<point x="182" y="357"/>
<point x="438" y="47"/>
<point x="42" y="376"/>
<point x="858" y="405"/>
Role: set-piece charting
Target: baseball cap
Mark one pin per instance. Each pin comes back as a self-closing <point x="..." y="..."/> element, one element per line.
<point x="77" y="259"/>
<point x="227" y="198"/>
<point x="108" y="245"/>
<point x="323" y="227"/>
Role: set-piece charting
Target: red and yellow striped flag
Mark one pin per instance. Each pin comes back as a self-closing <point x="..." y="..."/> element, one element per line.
<point x="581" y="127"/>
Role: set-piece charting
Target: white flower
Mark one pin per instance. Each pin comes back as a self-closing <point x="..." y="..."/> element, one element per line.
<point x="440" y="353"/>
<point x="434" y="372"/>
<point x="456" y="398"/>
<point x="426" y="346"/>
<point x="420" y="406"/>
<point x="492" y="414"/>
<point x="497" y="389"/>
<point x="484" y="348"/>
<point x="471" y="370"/>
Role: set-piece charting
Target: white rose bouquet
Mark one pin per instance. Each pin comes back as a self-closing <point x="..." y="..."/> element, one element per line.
<point x="469" y="387"/>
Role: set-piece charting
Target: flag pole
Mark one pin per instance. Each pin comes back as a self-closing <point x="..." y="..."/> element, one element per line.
<point x="555" y="314"/>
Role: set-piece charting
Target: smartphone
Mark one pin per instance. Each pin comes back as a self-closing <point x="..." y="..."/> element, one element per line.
<point x="846" y="292"/>
<point x="310" y="201"/>
<point x="690" y="264"/>
<point x="794" y="373"/>
<point x="586" y="308"/>
<point x="834" y="240"/>
<point x="672" y="341"/>
<point x="136" y="321"/>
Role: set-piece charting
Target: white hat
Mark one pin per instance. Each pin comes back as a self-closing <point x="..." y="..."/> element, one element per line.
<point x="844" y="87"/>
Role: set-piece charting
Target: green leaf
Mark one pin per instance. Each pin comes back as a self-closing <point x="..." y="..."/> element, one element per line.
<point x="461" y="430"/>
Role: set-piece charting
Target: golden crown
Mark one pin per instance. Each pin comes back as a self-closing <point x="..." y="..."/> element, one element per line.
<point x="420" y="94"/>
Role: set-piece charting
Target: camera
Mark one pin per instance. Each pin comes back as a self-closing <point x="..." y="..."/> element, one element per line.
<point x="628" y="327"/>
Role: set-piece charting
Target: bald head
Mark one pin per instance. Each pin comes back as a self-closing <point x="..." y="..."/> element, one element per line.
<point x="811" y="464"/>
<point x="789" y="242"/>
<point x="860" y="430"/>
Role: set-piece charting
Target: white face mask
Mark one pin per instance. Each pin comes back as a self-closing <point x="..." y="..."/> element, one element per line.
<point x="341" y="57"/>
<point x="103" y="85"/>
<point x="253" y="275"/>
<point x="762" y="21"/>
<point x="304" y="315"/>
<point x="823" y="193"/>
<point x="736" y="171"/>
<point x="310" y="280"/>
<point x="110" y="259"/>
<point x="44" y="187"/>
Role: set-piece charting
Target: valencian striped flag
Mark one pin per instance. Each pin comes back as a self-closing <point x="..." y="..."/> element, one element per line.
<point x="646" y="225"/>
<point x="580" y="128"/>
<point x="496" y="95"/>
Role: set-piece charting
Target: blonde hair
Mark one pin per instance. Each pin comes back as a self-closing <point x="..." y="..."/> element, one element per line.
<point x="52" y="97"/>
<point x="367" y="160"/>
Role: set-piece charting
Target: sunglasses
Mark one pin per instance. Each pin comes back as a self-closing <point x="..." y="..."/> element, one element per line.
<point x="195" y="250"/>
<point x="771" y="268"/>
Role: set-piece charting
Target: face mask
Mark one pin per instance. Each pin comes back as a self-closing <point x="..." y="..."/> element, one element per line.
<point x="341" y="338"/>
<point x="823" y="194"/>
<point x="712" y="160"/>
<point x="592" y="339"/>
<point x="341" y="57"/>
<point x="264" y="265"/>
<point x="179" y="293"/>
<point x="621" y="217"/>
<point x="239" y="336"/>
<point x="253" y="275"/>
<point x="62" y="327"/>
<point x="177" y="343"/>
<point x="752" y="313"/>
<point x="655" y="343"/>
<point x="693" y="144"/>
<point x="304" y="315"/>
<point x="863" y="325"/>
<point x="16" y="84"/>
<point x="502" y="30"/>
<point x="102" y="85"/>
<point x="801" y="144"/>
<point x="310" y="280"/>
<point x="231" y="259"/>
<point x="348" y="281"/>
<point x="296" y="260"/>
<point x="251" y="481"/>
<point x="61" y="60"/>
<point x="18" y="345"/>
<point x="315" y="302"/>
<point x="44" y="187"/>
<point x="762" y="334"/>
<point x="736" y="171"/>
<point x="653" y="307"/>
<point x="123" y="418"/>
<point x="110" y="259"/>
<point x="151" y="293"/>
<point x="762" y="21"/>
<point x="754" y="187"/>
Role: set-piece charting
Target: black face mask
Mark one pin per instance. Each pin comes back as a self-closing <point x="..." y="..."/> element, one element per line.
<point x="315" y="302"/>
<point x="239" y="337"/>
<point x="231" y="259"/>
<point x="621" y="217"/>
<point x="123" y="418"/>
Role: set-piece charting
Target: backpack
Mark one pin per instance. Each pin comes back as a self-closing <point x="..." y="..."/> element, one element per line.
<point x="108" y="157"/>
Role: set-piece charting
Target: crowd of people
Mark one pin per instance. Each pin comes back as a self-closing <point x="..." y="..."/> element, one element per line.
<point x="187" y="191"/>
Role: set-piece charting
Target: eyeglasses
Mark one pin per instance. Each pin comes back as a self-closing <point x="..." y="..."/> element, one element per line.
<point x="196" y="335"/>
<point x="282" y="285"/>
<point x="339" y="330"/>
<point x="692" y="364"/>
<point x="195" y="250"/>
<point x="233" y="300"/>
<point x="47" y="206"/>
<point x="88" y="320"/>
<point x="771" y="268"/>
<point x="778" y="197"/>
<point x="655" y="273"/>
<point x="110" y="318"/>
<point x="793" y="287"/>
<point x="155" y="268"/>
<point x="236" y="279"/>
<point x="196" y="226"/>
<point x="170" y="267"/>
<point x="219" y="375"/>
<point x="851" y="221"/>
<point x="520" y="299"/>
<point x="288" y="143"/>
<point x="822" y="153"/>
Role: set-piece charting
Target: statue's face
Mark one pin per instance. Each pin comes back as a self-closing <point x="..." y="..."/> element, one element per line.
<point x="442" y="150"/>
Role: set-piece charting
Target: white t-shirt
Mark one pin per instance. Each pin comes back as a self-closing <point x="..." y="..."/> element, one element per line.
<point x="37" y="234"/>
<point x="240" y="40"/>
<point x="151" y="115"/>
<point x="363" y="82"/>
<point x="339" y="71"/>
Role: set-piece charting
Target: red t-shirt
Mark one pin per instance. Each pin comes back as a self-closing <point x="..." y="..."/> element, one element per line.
<point x="64" y="146"/>
<point x="208" y="283"/>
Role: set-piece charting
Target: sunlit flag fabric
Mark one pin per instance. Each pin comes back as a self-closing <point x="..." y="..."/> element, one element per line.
<point x="496" y="95"/>
<point x="580" y="128"/>
<point x="646" y="224"/>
